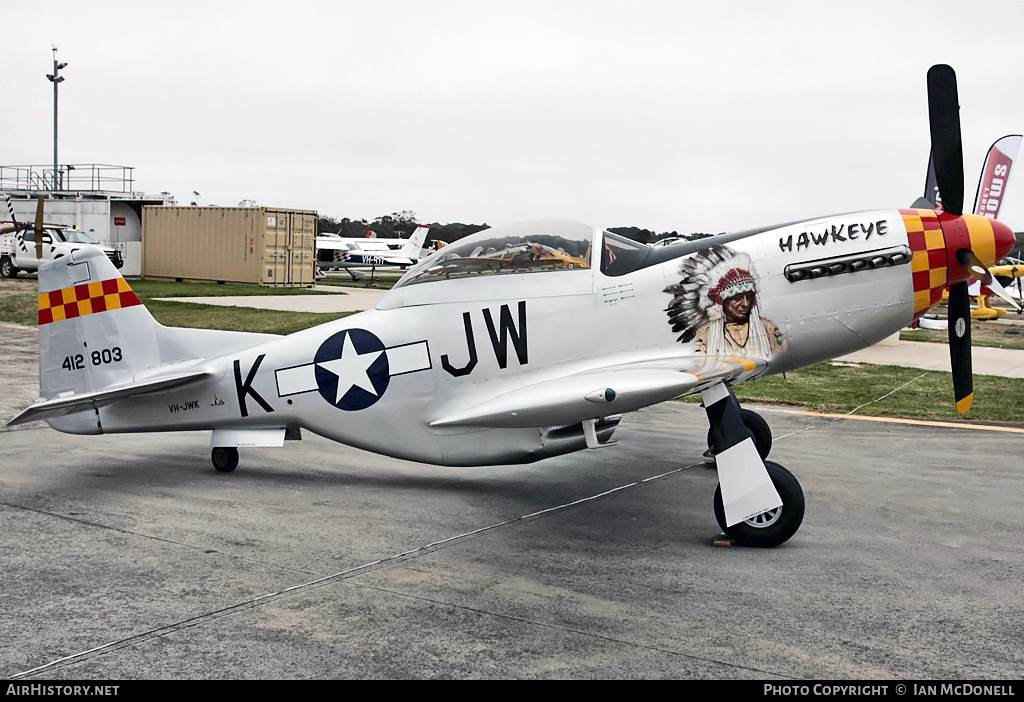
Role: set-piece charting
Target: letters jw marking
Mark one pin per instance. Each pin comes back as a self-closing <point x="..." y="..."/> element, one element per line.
<point x="506" y="331"/>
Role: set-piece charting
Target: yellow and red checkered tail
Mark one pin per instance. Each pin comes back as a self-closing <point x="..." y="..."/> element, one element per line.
<point x="94" y="332"/>
<point x="99" y="345"/>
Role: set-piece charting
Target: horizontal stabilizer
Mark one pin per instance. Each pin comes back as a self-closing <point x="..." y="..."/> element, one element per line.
<point x="68" y="404"/>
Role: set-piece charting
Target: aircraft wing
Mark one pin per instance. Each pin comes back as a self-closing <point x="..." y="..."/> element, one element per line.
<point x="67" y="404"/>
<point x="602" y="392"/>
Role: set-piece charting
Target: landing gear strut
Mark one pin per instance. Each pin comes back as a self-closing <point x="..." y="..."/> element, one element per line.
<point x="759" y="431"/>
<point x="740" y="440"/>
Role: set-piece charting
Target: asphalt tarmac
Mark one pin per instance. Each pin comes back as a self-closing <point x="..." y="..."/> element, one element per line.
<point x="128" y="557"/>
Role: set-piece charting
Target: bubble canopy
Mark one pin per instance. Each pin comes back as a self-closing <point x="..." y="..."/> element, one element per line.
<point x="529" y="247"/>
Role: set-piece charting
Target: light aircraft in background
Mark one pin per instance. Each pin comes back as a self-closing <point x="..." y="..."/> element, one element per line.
<point x="1004" y="274"/>
<point x="995" y="173"/>
<point x="513" y="365"/>
<point x="350" y="254"/>
<point x="334" y="252"/>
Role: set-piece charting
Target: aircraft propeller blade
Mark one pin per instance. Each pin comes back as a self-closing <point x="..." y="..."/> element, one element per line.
<point x="959" y="330"/>
<point x="948" y="160"/>
<point x="947" y="146"/>
<point x="969" y="260"/>
<point x="15" y="226"/>
<point x="39" y="229"/>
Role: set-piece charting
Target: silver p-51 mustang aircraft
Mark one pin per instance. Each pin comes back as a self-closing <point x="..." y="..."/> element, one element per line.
<point x="472" y="359"/>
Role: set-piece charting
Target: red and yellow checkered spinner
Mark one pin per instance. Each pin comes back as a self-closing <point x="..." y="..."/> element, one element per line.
<point x="935" y="237"/>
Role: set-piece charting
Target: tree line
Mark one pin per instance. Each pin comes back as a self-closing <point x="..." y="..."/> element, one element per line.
<point x="400" y="225"/>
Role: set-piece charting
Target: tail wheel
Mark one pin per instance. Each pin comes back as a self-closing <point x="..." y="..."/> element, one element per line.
<point x="775" y="526"/>
<point x="224" y="458"/>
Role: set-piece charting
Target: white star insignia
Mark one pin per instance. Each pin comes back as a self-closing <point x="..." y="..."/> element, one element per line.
<point x="352" y="368"/>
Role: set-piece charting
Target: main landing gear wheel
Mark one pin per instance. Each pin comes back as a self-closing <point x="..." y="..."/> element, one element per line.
<point x="775" y="526"/>
<point x="758" y="429"/>
<point x="225" y="458"/>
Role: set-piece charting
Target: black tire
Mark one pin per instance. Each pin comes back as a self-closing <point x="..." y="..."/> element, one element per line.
<point x="7" y="268"/>
<point x="224" y="458"/>
<point x="774" y="527"/>
<point x="758" y="429"/>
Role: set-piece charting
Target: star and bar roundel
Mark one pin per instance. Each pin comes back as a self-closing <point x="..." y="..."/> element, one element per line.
<point x="352" y="368"/>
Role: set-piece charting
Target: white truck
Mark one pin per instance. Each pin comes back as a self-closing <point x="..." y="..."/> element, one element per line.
<point x="18" y="249"/>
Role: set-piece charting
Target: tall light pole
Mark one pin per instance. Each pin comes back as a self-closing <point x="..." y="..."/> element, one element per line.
<point x="56" y="79"/>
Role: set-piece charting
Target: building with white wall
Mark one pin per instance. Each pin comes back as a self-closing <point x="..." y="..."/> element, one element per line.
<point x="97" y="199"/>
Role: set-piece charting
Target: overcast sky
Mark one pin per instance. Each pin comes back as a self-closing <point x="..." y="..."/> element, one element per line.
<point x="688" y="116"/>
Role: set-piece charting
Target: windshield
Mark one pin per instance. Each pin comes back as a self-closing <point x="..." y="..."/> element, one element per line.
<point x="76" y="237"/>
<point x="518" y="248"/>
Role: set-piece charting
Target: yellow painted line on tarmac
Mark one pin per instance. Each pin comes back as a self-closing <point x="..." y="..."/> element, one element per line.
<point x="919" y="422"/>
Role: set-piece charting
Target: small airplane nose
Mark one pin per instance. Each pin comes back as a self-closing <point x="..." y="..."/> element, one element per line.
<point x="1005" y="240"/>
<point x="989" y="239"/>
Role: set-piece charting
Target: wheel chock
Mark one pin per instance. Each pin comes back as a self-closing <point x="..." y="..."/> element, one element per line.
<point x="709" y="459"/>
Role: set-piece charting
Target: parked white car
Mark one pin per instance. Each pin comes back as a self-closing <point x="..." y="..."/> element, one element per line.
<point x="18" y="249"/>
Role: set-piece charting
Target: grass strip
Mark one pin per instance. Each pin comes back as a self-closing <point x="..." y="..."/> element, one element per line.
<point x="247" y="319"/>
<point x="834" y="388"/>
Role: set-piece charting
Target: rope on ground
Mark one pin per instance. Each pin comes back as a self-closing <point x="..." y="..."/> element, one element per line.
<point x="854" y="410"/>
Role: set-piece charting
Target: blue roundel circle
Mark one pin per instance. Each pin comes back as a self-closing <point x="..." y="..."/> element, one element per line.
<point x="351" y="369"/>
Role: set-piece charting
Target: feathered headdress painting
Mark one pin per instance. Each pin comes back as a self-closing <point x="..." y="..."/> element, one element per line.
<point x="709" y="278"/>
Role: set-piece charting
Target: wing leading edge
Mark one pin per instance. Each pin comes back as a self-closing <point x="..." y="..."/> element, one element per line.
<point x="603" y="392"/>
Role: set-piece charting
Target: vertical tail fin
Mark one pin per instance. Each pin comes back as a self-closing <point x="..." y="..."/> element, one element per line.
<point x="94" y="331"/>
<point x="98" y="343"/>
<point x="414" y="246"/>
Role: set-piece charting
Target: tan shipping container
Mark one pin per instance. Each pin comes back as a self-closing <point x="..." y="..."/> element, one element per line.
<point x="257" y="245"/>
